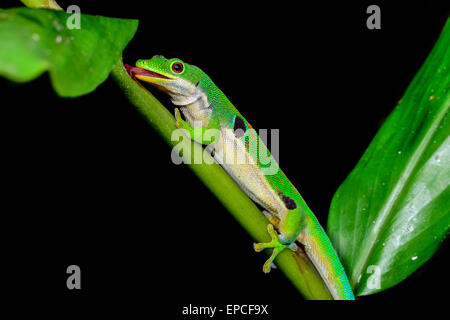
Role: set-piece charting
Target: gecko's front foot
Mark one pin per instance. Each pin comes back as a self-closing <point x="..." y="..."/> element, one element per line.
<point x="275" y="243"/>
<point x="180" y="123"/>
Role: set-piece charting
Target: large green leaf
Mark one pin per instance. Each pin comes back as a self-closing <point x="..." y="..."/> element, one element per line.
<point x="78" y="60"/>
<point x="393" y="210"/>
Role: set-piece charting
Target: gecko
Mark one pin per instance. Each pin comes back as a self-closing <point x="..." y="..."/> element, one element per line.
<point x="205" y="106"/>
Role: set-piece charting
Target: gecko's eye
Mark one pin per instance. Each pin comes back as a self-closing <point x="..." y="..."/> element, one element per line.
<point x="177" y="67"/>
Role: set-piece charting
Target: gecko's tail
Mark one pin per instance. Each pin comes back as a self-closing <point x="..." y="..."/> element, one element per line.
<point x="320" y="251"/>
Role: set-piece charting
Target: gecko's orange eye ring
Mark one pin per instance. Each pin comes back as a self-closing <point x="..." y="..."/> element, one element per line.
<point x="177" y="67"/>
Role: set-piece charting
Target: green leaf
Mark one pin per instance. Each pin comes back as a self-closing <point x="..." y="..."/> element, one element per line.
<point x="393" y="210"/>
<point x="78" y="60"/>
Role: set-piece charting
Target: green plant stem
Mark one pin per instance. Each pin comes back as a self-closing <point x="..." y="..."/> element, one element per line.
<point x="294" y="265"/>
<point x="44" y="4"/>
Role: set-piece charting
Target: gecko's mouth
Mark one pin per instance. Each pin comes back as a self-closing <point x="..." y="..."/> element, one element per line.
<point x="143" y="73"/>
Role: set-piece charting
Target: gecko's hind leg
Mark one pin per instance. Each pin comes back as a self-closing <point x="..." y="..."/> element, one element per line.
<point x="275" y="243"/>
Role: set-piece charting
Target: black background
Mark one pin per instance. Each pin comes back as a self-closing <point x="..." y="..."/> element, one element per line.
<point x="88" y="182"/>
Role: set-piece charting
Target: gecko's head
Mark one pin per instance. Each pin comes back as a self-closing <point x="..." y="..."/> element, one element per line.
<point x="173" y="76"/>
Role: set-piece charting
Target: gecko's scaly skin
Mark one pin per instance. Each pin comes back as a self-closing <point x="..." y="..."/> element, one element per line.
<point x="204" y="105"/>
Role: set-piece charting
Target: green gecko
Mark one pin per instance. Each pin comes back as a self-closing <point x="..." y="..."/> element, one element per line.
<point x="204" y="105"/>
